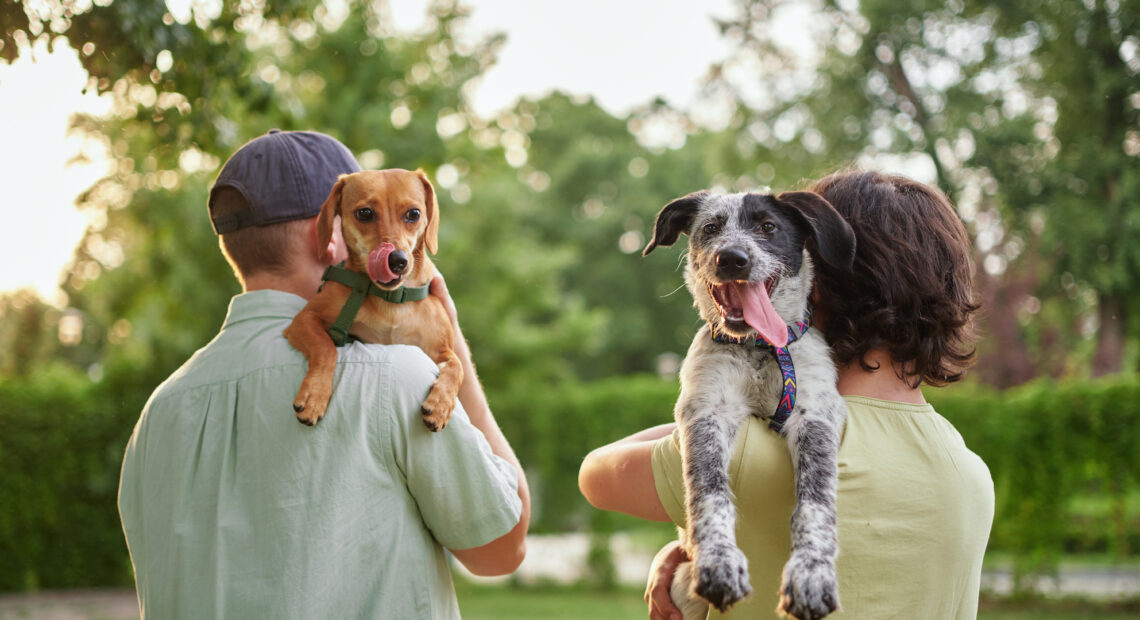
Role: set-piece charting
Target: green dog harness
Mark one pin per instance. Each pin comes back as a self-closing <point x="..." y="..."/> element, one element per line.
<point x="362" y="286"/>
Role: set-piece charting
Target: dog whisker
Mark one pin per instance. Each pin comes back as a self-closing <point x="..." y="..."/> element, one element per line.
<point x="670" y="293"/>
<point x="682" y="259"/>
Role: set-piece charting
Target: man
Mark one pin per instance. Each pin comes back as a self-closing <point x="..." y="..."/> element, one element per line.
<point x="231" y="508"/>
<point x="915" y="505"/>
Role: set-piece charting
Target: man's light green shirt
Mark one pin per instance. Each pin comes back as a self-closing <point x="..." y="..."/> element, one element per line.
<point x="915" y="507"/>
<point x="233" y="509"/>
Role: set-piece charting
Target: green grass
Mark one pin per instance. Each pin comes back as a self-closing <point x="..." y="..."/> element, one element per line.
<point x="477" y="602"/>
<point x="547" y="603"/>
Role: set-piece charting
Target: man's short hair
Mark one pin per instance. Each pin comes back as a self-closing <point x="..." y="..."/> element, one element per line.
<point x="912" y="290"/>
<point x="257" y="249"/>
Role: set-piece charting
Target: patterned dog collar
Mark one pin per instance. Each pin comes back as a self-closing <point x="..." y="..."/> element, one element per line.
<point x="361" y="287"/>
<point x="784" y="359"/>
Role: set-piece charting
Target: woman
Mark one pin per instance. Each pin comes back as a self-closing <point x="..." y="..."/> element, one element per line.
<point x="915" y="504"/>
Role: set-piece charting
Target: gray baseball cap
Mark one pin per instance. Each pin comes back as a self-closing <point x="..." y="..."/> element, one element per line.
<point x="283" y="175"/>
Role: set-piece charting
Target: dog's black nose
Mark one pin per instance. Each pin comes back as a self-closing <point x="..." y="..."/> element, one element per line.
<point x="398" y="261"/>
<point x="732" y="263"/>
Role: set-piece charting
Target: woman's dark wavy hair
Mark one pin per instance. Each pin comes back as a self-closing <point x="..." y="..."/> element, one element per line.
<point x="912" y="290"/>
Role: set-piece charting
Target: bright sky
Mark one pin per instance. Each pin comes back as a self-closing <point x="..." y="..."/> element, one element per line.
<point x="624" y="53"/>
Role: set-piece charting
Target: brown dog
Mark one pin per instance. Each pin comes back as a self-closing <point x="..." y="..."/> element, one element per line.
<point x="390" y="221"/>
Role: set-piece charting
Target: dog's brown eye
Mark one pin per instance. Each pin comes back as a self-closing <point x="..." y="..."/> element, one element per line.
<point x="768" y="227"/>
<point x="412" y="216"/>
<point x="364" y="214"/>
<point x="711" y="228"/>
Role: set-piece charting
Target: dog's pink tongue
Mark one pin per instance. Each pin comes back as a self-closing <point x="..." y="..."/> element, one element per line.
<point x="378" y="268"/>
<point x="759" y="313"/>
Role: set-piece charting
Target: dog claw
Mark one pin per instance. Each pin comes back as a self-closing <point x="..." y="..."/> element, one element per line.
<point x="311" y="401"/>
<point x="431" y="421"/>
<point x="435" y="418"/>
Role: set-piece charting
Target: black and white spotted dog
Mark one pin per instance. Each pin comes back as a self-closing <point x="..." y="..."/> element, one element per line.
<point x="749" y="270"/>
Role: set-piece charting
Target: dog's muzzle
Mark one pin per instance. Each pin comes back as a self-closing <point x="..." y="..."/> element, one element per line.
<point x="386" y="264"/>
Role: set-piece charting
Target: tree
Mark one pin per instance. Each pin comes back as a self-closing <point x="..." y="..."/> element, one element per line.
<point x="1085" y="67"/>
<point x="149" y="267"/>
<point x="994" y="101"/>
<point x="148" y="279"/>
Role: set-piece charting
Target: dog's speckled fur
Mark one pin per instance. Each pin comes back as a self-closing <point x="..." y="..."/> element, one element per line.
<point x="722" y="384"/>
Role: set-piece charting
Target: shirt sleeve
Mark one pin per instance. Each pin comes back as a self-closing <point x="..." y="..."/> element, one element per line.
<point x="668" y="476"/>
<point x="467" y="495"/>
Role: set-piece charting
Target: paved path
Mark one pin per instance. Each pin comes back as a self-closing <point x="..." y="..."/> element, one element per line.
<point x="71" y="605"/>
<point x="1094" y="582"/>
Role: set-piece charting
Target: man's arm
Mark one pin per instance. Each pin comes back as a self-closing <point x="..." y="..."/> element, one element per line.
<point x="619" y="476"/>
<point x="504" y="554"/>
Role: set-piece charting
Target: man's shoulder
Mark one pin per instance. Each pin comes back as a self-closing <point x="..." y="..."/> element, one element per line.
<point x="397" y="374"/>
<point x="219" y="362"/>
<point x="405" y="360"/>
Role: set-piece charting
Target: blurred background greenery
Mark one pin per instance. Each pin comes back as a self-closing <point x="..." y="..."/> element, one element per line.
<point x="1026" y="113"/>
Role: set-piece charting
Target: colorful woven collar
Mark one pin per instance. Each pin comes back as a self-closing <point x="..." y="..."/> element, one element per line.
<point x="784" y="359"/>
<point x="361" y="287"/>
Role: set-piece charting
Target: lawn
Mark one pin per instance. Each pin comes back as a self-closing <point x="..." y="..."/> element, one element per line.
<point x="579" y="603"/>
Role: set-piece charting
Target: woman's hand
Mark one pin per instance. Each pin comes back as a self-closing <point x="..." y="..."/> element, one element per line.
<point x="661" y="574"/>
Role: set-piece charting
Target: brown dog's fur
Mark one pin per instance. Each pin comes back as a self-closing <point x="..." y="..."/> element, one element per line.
<point x="425" y="323"/>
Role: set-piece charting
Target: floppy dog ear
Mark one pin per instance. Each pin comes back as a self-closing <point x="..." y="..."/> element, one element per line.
<point x="431" y="206"/>
<point x="328" y="214"/>
<point x="834" y="239"/>
<point x="675" y="218"/>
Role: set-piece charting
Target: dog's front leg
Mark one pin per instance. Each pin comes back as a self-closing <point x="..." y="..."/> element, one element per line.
<point x="440" y="401"/>
<point x="307" y="334"/>
<point x="810" y="587"/>
<point x="709" y="424"/>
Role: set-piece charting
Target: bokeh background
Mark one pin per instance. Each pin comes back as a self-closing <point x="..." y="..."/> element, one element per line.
<point x="550" y="167"/>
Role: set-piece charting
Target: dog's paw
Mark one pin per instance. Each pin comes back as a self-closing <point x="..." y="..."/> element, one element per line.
<point x="681" y="592"/>
<point x="311" y="402"/>
<point x="722" y="576"/>
<point x="810" y="588"/>
<point x="437" y="410"/>
<point x="433" y="420"/>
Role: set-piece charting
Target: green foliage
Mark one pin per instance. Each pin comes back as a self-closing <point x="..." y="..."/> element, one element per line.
<point x="552" y="427"/>
<point x="1025" y="112"/>
<point x="545" y="293"/>
<point x="1047" y="446"/>
<point x="28" y="333"/>
<point x="60" y="525"/>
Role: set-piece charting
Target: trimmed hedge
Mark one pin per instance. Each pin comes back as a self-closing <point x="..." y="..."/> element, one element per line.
<point x="60" y="455"/>
<point x="1065" y="460"/>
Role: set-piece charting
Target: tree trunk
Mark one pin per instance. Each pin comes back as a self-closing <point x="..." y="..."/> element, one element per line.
<point x="1109" y="336"/>
<point x="1004" y="360"/>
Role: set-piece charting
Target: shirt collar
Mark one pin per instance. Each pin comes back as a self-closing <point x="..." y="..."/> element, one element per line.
<point x="263" y="304"/>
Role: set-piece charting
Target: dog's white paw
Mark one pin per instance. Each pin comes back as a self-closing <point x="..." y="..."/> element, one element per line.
<point x="722" y="576"/>
<point x="692" y="607"/>
<point x="810" y="588"/>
